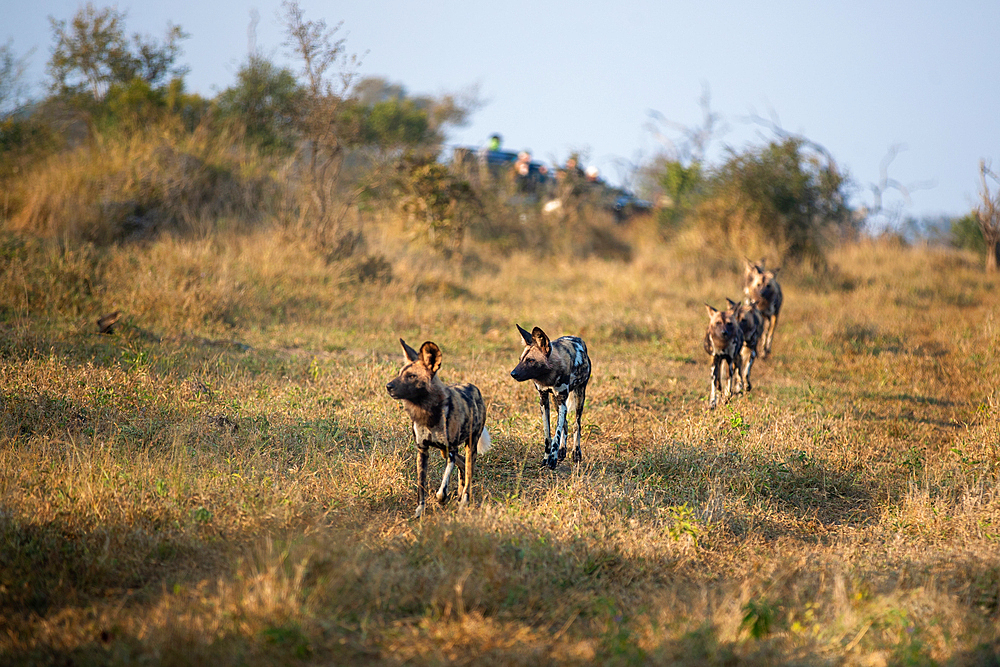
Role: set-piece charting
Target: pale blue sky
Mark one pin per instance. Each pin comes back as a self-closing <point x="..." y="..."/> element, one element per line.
<point x="854" y="76"/>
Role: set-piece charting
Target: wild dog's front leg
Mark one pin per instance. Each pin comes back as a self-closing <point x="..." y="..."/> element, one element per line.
<point x="737" y="385"/>
<point x="543" y="401"/>
<point x="770" y="334"/>
<point x="421" y="479"/>
<point x="749" y="355"/>
<point x="730" y="380"/>
<point x="559" y="446"/>
<point x="442" y="494"/>
<point x="715" y="381"/>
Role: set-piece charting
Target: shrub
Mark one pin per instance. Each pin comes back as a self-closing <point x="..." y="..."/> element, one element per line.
<point x="264" y="102"/>
<point x="781" y="200"/>
<point x="967" y="234"/>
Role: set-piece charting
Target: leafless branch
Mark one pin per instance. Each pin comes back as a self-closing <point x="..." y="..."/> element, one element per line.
<point x="773" y="123"/>
<point x="885" y="183"/>
<point x="695" y="140"/>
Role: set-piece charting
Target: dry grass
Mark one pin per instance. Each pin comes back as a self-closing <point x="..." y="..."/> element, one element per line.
<point x="161" y="180"/>
<point x="225" y="479"/>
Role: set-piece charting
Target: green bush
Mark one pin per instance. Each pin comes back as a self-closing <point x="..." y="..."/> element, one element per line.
<point x="784" y="200"/>
<point x="967" y="234"/>
<point x="264" y="102"/>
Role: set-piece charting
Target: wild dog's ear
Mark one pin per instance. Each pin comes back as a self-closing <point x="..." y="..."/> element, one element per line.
<point x="774" y="272"/>
<point x="540" y="340"/>
<point x="711" y="311"/>
<point x="762" y="263"/>
<point x="524" y="334"/>
<point x="732" y="304"/>
<point x="430" y="355"/>
<point x="748" y="265"/>
<point x="409" y="352"/>
<point x="737" y="308"/>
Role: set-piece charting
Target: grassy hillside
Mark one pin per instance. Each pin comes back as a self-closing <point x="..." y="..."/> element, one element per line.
<point x="225" y="478"/>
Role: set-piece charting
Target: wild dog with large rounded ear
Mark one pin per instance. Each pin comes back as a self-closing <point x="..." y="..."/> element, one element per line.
<point x="430" y="355"/>
<point x="762" y="288"/>
<point x="444" y="417"/>
<point x="560" y="368"/>
<point x="751" y="323"/>
<point x="723" y="340"/>
<point x="537" y="338"/>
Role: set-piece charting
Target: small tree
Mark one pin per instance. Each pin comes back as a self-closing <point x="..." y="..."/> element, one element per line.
<point x="988" y="216"/>
<point x="326" y="128"/>
<point x="92" y="53"/>
<point x="365" y="127"/>
<point x="265" y="101"/>
<point x="12" y="88"/>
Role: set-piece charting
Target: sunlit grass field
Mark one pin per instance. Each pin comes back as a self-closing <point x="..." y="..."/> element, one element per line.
<point x="225" y="480"/>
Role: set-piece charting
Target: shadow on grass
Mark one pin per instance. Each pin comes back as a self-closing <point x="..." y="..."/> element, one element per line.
<point x="63" y="587"/>
<point x="355" y="597"/>
<point x="50" y="565"/>
<point x="807" y="488"/>
<point x="129" y="347"/>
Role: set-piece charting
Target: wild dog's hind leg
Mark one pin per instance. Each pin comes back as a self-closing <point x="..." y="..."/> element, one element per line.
<point x="575" y="402"/>
<point x="765" y="335"/>
<point x="730" y="381"/>
<point x="465" y="496"/>
<point x="738" y="368"/>
<point x="770" y="334"/>
<point x="738" y="383"/>
<point x="442" y="494"/>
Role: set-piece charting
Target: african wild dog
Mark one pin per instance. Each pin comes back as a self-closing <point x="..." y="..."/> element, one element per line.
<point x="762" y="288"/>
<point x="444" y="416"/>
<point x="751" y="322"/>
<point x="561" y="368"/>
<point x="723" y="340"/>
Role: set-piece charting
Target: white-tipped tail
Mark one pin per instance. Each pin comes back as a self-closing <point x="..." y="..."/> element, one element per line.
<point x="484" y="442"/>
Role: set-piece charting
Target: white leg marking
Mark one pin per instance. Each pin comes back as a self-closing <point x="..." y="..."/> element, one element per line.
<point x="444" y="480"/>
<point x="561" y="427"/>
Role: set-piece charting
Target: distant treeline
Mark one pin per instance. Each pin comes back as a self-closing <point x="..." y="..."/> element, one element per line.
<point x="118" y="149"/>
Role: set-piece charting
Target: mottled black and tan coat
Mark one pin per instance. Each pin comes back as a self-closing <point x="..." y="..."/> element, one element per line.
<point x="560" y="368"/>
<point x="724" y="341"/>
<point x="762" y="289"/>
<point x="751" y="324"/>
<point x="445" y="417"/>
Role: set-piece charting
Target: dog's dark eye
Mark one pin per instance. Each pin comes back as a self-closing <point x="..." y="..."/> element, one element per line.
<point x="410" y="376"/>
